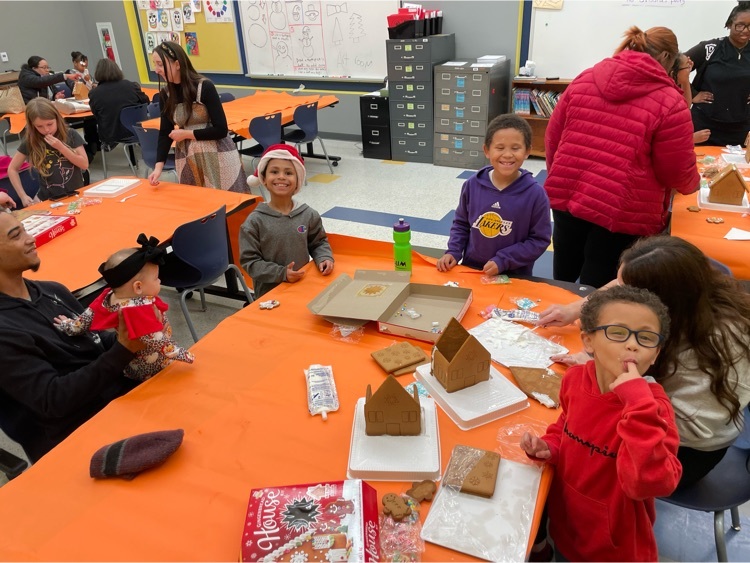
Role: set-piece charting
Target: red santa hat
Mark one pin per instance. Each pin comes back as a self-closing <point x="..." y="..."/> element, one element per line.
<point x="284" y="152"/>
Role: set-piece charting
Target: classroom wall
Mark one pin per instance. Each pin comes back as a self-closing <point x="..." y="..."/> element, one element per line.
<point x="53" y="29"/>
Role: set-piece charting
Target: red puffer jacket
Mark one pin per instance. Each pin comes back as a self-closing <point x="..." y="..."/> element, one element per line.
<point x="618" y="142"/>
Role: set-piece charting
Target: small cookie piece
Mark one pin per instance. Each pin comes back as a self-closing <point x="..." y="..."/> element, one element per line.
<point x="541" y="384"/>
<point x="473" y="471"/>
<point x="422" y="490"/>
<point x="396" y="506"/>
<point x="399" y="356"/>
<point x="693" y="208"/>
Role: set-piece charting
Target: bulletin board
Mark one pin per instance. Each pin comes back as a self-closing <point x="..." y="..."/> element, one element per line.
<point x="210" y="39"/>
<point x="569" y="36"/>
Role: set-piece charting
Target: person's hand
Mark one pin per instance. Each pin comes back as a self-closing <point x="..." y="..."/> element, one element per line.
<point x="27" y="200"/>
<point x="326" y="267"/>
<point x="59" y="95"/>
<point x="292" y="275"/>
<point x="54" y="142"/>
<point x="123" y="338"/>
<point x="703" y="98"/>
<point x="628" y="375"/>
<point x="701" y="136"/>
<point x="73" y="76"/>
<point x="178" y="135"/>
<point x="446" y="262"/>
<point x="535" y="446"/>
<point x="490" y="269"/>
<point x="153" y="178"/>
<point x="558" y="315"/>
<point x="571" y="359"/>
<point x="61" y="319"/>
<point x="6" y="201"/>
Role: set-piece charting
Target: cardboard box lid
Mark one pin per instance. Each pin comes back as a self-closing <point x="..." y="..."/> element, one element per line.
<point x="365" y="297"/>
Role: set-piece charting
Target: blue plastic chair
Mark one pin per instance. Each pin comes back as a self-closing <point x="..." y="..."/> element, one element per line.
<point x="29" y="181"/>
<point x="265" y="131"/>
<point x="4" y="129"/>
<point x="129" y="116"/>
<point x="63" y="87"/>
<point x="226" y="97"/>
<point x="200" y="255"/>
<point x="149" y="141"/>
<point x="154" y="110"/>
<point x="306" y="118"/>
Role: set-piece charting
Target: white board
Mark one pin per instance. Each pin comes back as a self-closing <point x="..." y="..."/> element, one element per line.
<point x="565" y="42"/>
<point x="340" y="40"/>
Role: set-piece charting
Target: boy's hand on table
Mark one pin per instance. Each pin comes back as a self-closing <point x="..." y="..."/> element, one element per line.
<point x="490" y="269"/>
<point x="292" y="275"/>
<point x="326" y="267"/>
<point x="447" y="262"/>
<point x="535" y="446"/>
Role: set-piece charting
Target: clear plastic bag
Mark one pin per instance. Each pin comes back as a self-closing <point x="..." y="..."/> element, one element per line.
<point x="400" y="539"/>
<point x="509" y="438"/>
<point x="347" y="333"/>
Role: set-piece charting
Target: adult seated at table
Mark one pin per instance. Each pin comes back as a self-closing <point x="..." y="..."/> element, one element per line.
<point x="50" y="383"/>
<point x="35" y="80"/>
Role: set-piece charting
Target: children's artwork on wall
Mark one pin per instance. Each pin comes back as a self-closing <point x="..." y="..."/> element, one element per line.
<point x="153" y="20"/>
<point x="174" y="37"/>
<point x="188" y="15"/>
<point x="197" y="5"/>
<point x="163" y="36"/>
<point x="107" y="42"/>
<point x="165" y="20"/>
<point x="168" y="4"/>
<point x="156" y="4"/>
<point x="218" y="11"/>
<point x="191" y="43"/>
<point x="149" y="38"/>
<point x="176" y="19"/>
<point x="144" y="4"/>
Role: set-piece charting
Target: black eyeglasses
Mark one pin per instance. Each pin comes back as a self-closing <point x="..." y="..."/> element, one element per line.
<point x="740" y="27"/>
<point x="617" y="333"/>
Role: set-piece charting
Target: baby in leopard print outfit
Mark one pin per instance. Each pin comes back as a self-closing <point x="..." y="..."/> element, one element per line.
<point x="132" y="275"/>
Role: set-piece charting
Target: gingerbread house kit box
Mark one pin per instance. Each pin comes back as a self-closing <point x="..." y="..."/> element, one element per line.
<point x="45" y="228"/>
<point x="415" y="310"/>
<point x="325" y="522"/>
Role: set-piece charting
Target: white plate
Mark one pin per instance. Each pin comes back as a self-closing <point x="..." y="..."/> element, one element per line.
<point x="703" y="203"/>
<point x="112" y="187"/>
<point x="476" y="405"/>
<point x="494" y="528"/>
<point x="736" y="159"/>
<point x="395" y="458"/>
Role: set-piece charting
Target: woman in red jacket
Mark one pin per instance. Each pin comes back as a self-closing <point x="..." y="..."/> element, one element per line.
<point x="619" y="141"/>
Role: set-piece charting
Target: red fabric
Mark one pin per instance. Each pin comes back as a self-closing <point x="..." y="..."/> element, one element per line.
<point x="5" y="163"/>
<point x="619" y="140"/>
<point x="140" y="320"/>
<point x="613" y="453"/>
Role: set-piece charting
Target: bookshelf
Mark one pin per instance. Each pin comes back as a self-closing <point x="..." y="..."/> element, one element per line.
<point x="544" y="92"/>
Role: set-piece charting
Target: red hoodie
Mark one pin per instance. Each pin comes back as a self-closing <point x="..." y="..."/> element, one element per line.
<point x="613" y="453"/>
<point x="618" y="142"/>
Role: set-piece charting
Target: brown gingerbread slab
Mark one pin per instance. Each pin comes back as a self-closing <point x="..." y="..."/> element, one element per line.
<point x="399" y="356"/>
<point x="473" y="471"/>
<point x="541" y="384"/>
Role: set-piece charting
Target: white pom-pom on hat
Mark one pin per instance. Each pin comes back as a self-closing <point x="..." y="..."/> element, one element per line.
<point x="283" y="152"/>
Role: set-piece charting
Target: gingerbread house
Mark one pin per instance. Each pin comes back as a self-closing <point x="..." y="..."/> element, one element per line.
<point x="392" y="411"/>
<point x="458" y="359"/>
<point x="728" y="187"/>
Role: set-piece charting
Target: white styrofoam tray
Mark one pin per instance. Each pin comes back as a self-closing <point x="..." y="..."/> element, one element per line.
<point x="395" y="458"/>
<point x="476" y="405"/>
<point x="497" y="528"/>
<point x="703" y="203"/>
<point x="112" y="187"/>
<point x="737" y="159"/>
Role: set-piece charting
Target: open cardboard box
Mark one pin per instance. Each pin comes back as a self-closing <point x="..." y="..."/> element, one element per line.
<point x="380" y="295"/>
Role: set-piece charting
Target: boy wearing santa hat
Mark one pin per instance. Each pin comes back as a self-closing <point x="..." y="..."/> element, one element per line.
<point x="280" y="235"/>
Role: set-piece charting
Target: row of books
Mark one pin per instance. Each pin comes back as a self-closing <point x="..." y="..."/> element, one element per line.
<point x="543" y="101"/>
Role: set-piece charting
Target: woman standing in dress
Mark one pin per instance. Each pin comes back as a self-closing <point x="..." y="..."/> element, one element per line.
<point x="192" y="117"/>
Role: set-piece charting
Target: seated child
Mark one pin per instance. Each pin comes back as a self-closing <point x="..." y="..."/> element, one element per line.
<point x="279" y="236"/>
<point x="502" y="223"/>
<point x="132" y="275"/>
<point x="614" y="446"/>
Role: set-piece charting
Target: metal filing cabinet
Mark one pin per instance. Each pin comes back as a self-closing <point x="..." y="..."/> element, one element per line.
<point x="468" y="95"/>
<point x="376" y="125"/>
<point x="410" y="74"/>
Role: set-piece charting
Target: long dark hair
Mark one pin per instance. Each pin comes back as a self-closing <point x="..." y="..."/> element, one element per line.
<point x="709" y="310"/>
<point x="189" y="79"/>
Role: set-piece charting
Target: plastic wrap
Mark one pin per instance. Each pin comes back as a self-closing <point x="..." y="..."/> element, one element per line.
<point x="322" y="397"/>
<point x="347" y="333"/>
<point x="400" y="540"/>
<point x="495" y="280"/>
<point x="509" y="438"/>
<point x="515" y="315"/>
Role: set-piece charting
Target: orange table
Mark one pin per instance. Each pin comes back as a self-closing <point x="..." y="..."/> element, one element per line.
<point x="709" y="237"/>
<point x="240" y="111"/>
<point x="73" y="258"/>
<point x="243" y="407"/>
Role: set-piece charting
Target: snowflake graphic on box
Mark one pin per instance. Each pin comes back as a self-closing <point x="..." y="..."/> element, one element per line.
<point x="300" y="514"/>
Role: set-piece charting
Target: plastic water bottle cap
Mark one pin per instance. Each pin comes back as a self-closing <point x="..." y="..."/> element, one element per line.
<point x="401" y="227"/>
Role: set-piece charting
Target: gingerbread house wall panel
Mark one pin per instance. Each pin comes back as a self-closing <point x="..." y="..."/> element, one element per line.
<point x="392" y="411"/>
<point x="467" y="365"/>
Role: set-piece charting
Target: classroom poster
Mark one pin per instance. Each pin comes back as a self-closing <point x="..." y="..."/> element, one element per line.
<point x="218" y="11"/>
<point x="176" y="19"/>
<point x="188" y="15"/>
<point x="174" y="37"/>
<point x="191" y="43"/>
<point x="165" y="20"/>
<point x="107" y="42"/>
<point x="163" y="36"/>
<point x="153" y="20"/>
<point x="149" y="39"/>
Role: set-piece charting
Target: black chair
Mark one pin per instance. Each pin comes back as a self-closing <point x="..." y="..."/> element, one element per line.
<point x="62" y="87"/>
<point x="154" y="110"/>
<point x="306" y="119"/>
<point x="199" y="256"/>
<point x="226" y="97"/>
<point x="11" y="465"/>
<point x="265" y="130"/>
<point x="129" y="116"/>
<point x="149" y="141"/>
<point x="4" y="129"/>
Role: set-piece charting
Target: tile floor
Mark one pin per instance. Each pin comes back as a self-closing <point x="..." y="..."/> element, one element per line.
<point x="364" y="198"/>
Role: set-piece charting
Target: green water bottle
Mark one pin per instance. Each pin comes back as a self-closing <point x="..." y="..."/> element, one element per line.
<point x="402" y="246"/>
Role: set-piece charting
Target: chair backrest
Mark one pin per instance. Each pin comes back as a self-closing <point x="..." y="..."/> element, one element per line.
<point x="63" y="87"/>
<point x="153" y="109"/>
<point x="266" y="129"/>
<point x="133" y="115"/>
<point x="203" y="246"/>
<point x="149" y="141"/>
<point x="306" y="118"/>
<point x="226" y="97"/>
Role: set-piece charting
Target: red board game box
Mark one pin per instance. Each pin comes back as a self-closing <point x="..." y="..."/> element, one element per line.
<point x="325" y="522"/>
<point x="46" y="227"/>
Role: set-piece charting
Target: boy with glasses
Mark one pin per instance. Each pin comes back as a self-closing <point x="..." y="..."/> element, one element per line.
<point x="614" y="446"/>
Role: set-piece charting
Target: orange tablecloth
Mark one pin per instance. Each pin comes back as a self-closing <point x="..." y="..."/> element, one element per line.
<point x="73" y="258"/>
<point x="709" y="237"/>
<point x="18" y="120"/>
<point x="239" y="112"/>
<point x="243" y="407"/>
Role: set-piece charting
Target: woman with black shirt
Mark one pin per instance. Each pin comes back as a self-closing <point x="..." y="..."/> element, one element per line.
<point x="721" y="87"/>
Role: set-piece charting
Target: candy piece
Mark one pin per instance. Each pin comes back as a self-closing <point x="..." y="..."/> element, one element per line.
<point x="451" y="284"/>
<point x="422" y="490"/>
<point x="395" y="506"/>
<point x="271" y="304"/>
<point x="524" y="303"/>
<point x="693" y="208"/>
